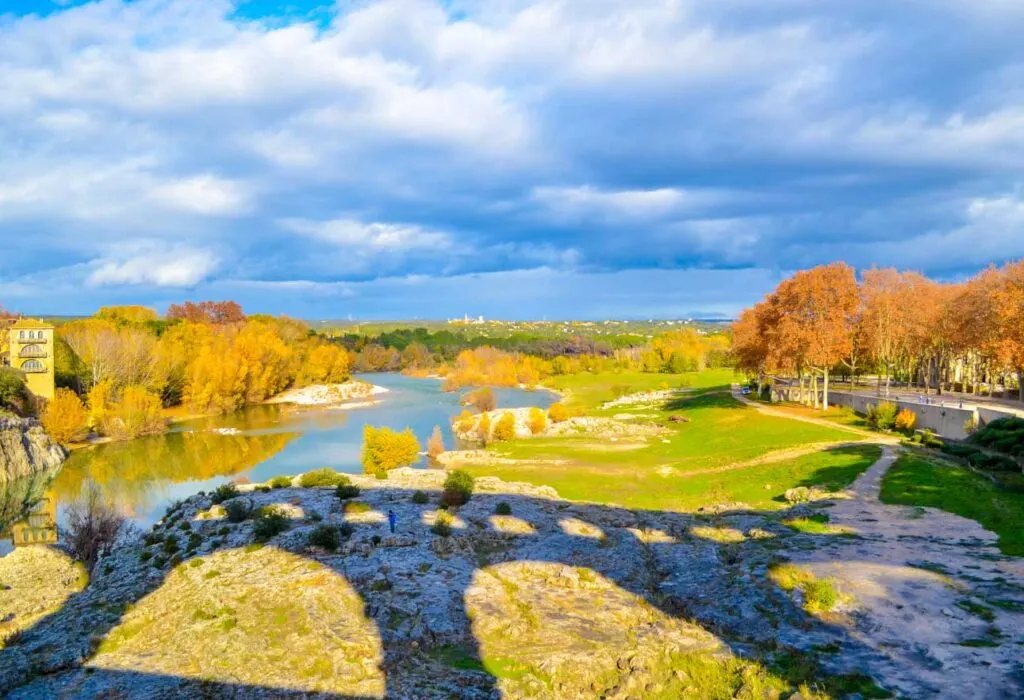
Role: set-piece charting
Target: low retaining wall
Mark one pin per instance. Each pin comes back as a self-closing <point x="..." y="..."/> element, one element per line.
<point x="946" y="421"/>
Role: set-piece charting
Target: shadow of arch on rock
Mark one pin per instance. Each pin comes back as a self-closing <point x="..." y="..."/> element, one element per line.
<point x="649" y="555"/>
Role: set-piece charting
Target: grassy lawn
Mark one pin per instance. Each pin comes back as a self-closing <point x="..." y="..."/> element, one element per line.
<point x="759" y="486"/>
<point x="918" y="481"/>
<point x="591" y="390"/>
<point x="840" y="415"/>
<point x="676" y="471"/>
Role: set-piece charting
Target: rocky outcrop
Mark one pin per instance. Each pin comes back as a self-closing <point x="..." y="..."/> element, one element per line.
<point x="26" y="450"/>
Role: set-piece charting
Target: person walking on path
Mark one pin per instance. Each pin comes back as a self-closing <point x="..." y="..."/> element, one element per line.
<point x="392" y="520"/>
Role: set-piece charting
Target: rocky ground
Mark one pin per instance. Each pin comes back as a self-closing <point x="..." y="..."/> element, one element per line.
<point x="553" y="600"/>
<point x="351" y="394"/>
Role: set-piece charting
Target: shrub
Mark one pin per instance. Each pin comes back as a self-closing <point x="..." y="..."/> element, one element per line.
<point x="458" y="488"/>
<point x="356" y="507"/>
<point x="224" y="492"/>
<point x="435" y="445"/>
<point x="322" y="477"/>
<point x="13" y="392"/>
<point x="185" y="526"/>
<point x="194" y="541"/>
<point x="482" y="400"/>
<point x="270" y="523"/>
<point x="65" y="418"/>
<point x="237" y="510"/>
<point x="346" y="491"/>
<point x="170" y="544"/>
<point x="558" y="413"/>
<point x="325" y="537"/>
<point x="620" y="390"/>
<point x="385" y="449"/>
<point x="93" y="526"/>
<point x="315" y="516"/>
<point x="905" y="420"/>
<point x="420" y="498"/>
<point x="442" y="524"/>
<point x="537" y="422"/>
<point x="503" y="508"/>
<point x="465" y="422"/>
<point x="882" y="416"/>
<point x="281" y="482"/>
<point x="505" y="428"/>
<point x="345" y="530"/>
<point x="820" y="595"/>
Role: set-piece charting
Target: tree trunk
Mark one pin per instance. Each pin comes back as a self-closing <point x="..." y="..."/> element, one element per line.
<point x="814" y="388"/>
<point x="824" y="395"/>
<point x="1020" y="384"/>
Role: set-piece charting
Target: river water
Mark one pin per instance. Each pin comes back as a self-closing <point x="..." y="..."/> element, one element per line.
<point x="144" y="476"/>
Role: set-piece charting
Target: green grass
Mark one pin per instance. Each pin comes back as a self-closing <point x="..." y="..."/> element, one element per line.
<point x="591" y="390"/>
<point x="651" y="473"/>
<point x="917" y="481"/>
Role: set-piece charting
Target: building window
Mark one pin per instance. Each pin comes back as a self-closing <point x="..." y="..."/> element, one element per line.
<point x="33" y="366"/>
<point x="33" y="351"/>
<point x="21" y="335"/>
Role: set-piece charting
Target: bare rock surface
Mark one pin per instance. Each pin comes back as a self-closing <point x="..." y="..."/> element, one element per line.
<point x="26" y="449"/>
<point x="553" y="600"/>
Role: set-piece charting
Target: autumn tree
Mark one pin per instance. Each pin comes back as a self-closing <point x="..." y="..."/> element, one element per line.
<point x="127" y="314"/>
<point x="212" y="312"/>
<point x="818" y="306"/>
<point x="435" y="445"/>
<point x="482" y="400"/>
<point x="131" y="412"/>
<point x="483" y="428"/>
<point x="1009" y="304"/>
<point x="385" y="449"/>
<point x="505" y="427"/>
<point x="65" y="417"/>
<point x="537" y="422"/>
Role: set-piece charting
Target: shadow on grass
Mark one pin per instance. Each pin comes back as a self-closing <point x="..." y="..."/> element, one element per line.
<point x="715" y="397"/>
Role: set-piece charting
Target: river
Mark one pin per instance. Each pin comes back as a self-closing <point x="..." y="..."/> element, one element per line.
<point x="144" y="476"/>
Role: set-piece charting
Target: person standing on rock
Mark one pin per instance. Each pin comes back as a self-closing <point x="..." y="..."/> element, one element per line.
<point x="392" y="520"/>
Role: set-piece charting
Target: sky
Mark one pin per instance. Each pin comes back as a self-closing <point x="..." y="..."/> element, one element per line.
<point x="510" y="158"/>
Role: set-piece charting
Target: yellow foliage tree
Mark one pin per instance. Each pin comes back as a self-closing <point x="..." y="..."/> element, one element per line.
<point x="385" y="449"/>
<point x="135" y="412"/>
<point x="324" y="363"/>
<point x="537" y="422"/>
<point x="483" y="428"/>
<point x="505" y="428"/>
<point x="558" y="413"/>
<point x="65" y="417"/>
<point x="99" y="398"/>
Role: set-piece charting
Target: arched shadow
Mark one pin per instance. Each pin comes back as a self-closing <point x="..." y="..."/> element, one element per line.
<point x="673" y="561"/>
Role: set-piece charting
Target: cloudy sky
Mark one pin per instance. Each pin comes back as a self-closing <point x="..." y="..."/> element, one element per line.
<point x="513" y="158"/>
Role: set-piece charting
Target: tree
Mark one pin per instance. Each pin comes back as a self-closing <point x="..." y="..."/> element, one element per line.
<point x="13" y="391"/>
<point x="324" y="363"/>
<point x="818" y="306"/>
<point x="558" y="412"/>
<point x="482" y="400"/>
<point x="1009" y="303"/>
<point x="93" y="525"/>
<point x="483" y="428"/>
<point x="212" y="312"/>
<point x="537" y="422"/>
<point x="505" y="428"/>
<point x="385" y="449"/>
<point x="127" y="314"/>
<point x="435" y="445"/>
<point x="65" y="417"/>
<point x="131" y="412"/>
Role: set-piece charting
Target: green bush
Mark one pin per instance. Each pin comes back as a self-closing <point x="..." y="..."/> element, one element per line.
<point x="420" y="497"/>
<point x="345" y="530"/>
<point x="325" y="537"/>
<point x="281" y="482"/>
<point x="185" y="526"/>
<point x="13" y="392"/>
<point x="322" y="477"/>
<point x="503" y="508"/>
<point x="145" y="555"/>
<point x="315" y="516"/>
<point x="194" y="542"/>
<point x="270" y="523"/>
<point x="237" y="510"/>
<point x="442" y="524"/>
<point x="882" y="416"/>
<point x="170" y="544"/>
<point x="224" y="492"/>
<point x="458" y="488"/>
<point x="354" y="507"/>
<point x="346" y="491"/>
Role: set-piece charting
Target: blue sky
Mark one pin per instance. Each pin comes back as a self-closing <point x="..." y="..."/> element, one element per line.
<point x="513" y="158"/>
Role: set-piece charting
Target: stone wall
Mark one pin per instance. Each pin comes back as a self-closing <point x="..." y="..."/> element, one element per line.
<point x="945" y="420"/>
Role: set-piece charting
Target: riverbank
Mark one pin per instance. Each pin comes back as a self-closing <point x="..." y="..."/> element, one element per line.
<point x="351" y="394"/>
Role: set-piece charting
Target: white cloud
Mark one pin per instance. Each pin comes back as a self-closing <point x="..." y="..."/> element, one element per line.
<point x="588" y="202"/>
<point x="153" y="265"/>
<point x="369" y="237"/>
<point x="203" y="194"/>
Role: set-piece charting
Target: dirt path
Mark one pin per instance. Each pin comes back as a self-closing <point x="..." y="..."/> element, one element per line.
<point x="931" y="591"/>
<point x="768" y="410"/>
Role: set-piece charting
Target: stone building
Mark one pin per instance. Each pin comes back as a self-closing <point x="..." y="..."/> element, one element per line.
<point x="30" y="349"/>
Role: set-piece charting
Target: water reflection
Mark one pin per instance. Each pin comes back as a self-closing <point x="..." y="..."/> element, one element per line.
<point x="27" y="514"/>
<point x="142" y="477"/>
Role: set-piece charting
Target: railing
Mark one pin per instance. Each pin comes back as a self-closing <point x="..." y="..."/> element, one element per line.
<point x="30" y="351"/>
<point x="33" y="370"/>
<point x="31" y="341"/>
